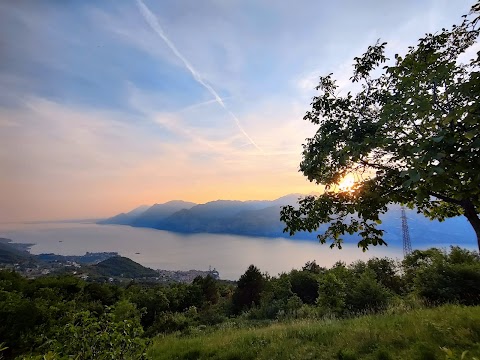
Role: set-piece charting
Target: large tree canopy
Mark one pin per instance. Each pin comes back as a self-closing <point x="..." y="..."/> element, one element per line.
<point x="410" y="135"/>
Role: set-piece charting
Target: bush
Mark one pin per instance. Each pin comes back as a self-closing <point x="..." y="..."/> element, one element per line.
<point x="89" y="337"/>
<point x="367" y="294"/>
<point x="440" y="277"/>
<point x="304" y="285"/>
<point x="444" y="282"/>
<point x="168" y="322"/>
<point x="332" y="294"/>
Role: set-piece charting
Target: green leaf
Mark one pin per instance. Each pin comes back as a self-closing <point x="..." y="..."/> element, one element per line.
<point x="470" y="135"/>
<point x="414" y="175"/>
<point x="407" y="183"/>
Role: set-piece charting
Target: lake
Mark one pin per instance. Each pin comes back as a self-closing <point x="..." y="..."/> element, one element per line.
<point x="229" y="254"/>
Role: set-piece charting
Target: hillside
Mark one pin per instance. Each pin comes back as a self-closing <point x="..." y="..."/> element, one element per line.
<point x="125" y="218"/>
<point x="210" y="217"/>
<point x="262" y="218"/>
<point x="11" y="253"/>
<point x="119" y="266"/>
<point x="263" y="222"/>
<point x="158" y="212"/>
<point x="373" y="310"/>
<point x="419" y="334"/>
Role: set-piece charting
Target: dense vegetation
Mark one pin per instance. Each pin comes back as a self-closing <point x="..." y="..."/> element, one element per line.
<point x="62" y="316"/>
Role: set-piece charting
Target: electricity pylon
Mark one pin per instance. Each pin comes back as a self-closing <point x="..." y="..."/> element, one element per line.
<point x="407" y="244"/>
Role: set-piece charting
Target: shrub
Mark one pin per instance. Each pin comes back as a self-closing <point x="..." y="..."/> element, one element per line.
<point x="367" y="294"/>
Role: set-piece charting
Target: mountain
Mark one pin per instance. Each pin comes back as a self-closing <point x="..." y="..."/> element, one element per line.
<point x="263" y="222"/>
<point x="262" y="218"/>
<point x="158" y="212"/>
<point x="125" y="218"/>
<point x="148" y="216"/>
<point x="209" y="217"/>
<point x="254" y="217"/>
<point x="290" y="199"/>
<point x="123" y="267"/>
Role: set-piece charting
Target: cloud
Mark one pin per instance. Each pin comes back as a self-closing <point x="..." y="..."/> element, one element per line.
<point x="64" y="161"/>
<point x="105" y="120"/>
<point x="155" y="25"/>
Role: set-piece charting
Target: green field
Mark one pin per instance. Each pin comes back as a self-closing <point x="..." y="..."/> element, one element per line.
<point x="417" y="334"/>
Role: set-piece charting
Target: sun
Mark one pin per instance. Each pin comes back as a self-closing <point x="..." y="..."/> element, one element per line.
<point x="347" y="183"/>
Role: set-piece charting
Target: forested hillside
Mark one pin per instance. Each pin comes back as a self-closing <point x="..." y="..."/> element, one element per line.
<point x="65" y="315"/>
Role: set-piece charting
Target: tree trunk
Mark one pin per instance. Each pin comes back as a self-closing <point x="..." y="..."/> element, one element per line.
<point x="472" y="216"/>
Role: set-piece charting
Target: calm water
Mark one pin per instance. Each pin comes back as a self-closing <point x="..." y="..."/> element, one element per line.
<point x="229" y="254"/>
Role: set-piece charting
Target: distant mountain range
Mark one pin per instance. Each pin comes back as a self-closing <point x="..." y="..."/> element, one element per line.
<point x="148" y="216"/>
<point x="262" y="218"/>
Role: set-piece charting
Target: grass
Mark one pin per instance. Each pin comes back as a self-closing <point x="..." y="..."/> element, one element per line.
<point x="416" y="335"/>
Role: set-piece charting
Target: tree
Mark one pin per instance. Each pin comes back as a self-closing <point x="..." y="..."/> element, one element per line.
<point x="249" y="288"/>
<point x="441" y="277"/>
<point x="367" y="294"/>
<point x="410" y="135"/>
<point x="332" y="293"/>
<point x="313" y="267"/>
<point x="304" y="285"/>
<point x="209" y="288"/>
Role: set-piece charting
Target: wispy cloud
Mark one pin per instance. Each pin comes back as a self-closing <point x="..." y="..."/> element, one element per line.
<point x="197" y="105"/>
<point x="174" y="124"/>
<point x="152" y="21"/>
<point x="118" y="115"/>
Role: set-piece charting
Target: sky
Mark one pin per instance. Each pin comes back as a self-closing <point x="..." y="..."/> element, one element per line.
<point x="107" y="105"/>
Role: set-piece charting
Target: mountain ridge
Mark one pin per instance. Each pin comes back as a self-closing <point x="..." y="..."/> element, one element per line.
<point x="261" y="218"/>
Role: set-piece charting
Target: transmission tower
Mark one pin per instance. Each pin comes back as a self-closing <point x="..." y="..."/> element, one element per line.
<point x="407" y="244"/>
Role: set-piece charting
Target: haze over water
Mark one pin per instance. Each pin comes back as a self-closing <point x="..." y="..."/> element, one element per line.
<point x="229" y="254"/>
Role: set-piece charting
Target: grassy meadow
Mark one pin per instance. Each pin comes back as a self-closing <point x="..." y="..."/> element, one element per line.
<point x="416" y="334"/>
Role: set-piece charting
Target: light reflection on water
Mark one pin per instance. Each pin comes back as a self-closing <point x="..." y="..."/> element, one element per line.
<point x="229" y="254"/>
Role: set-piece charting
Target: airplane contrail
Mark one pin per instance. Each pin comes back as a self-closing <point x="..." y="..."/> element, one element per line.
<point x="152" y="21"/>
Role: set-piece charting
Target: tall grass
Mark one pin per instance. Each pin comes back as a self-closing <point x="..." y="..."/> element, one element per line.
<point x="415" y="334"/>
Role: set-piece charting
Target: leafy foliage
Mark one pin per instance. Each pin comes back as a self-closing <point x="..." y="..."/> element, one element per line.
<point x="411" y="135"/>
<point x="368" y="294"/>
<point x="249" y="288"/>
<point x="453" y="277"/>
<point x="64" y="317"/>
<point x="87" y="336"/>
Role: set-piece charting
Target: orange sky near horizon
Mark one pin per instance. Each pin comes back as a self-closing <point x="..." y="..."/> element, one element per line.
<point x="74" y="170"/>
<point x="104" y="200"/>
<point x="140" y="107"/>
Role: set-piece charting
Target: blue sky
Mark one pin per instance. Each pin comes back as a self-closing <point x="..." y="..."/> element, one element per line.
<point x="106" y="105"/>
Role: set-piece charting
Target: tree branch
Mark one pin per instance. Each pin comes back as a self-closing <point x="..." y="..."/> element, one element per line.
<point x="445" y="198"/>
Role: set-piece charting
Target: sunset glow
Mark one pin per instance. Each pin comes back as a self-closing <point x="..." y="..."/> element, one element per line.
<point x="347" y="182"/>
<point x="110" y="105"/>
